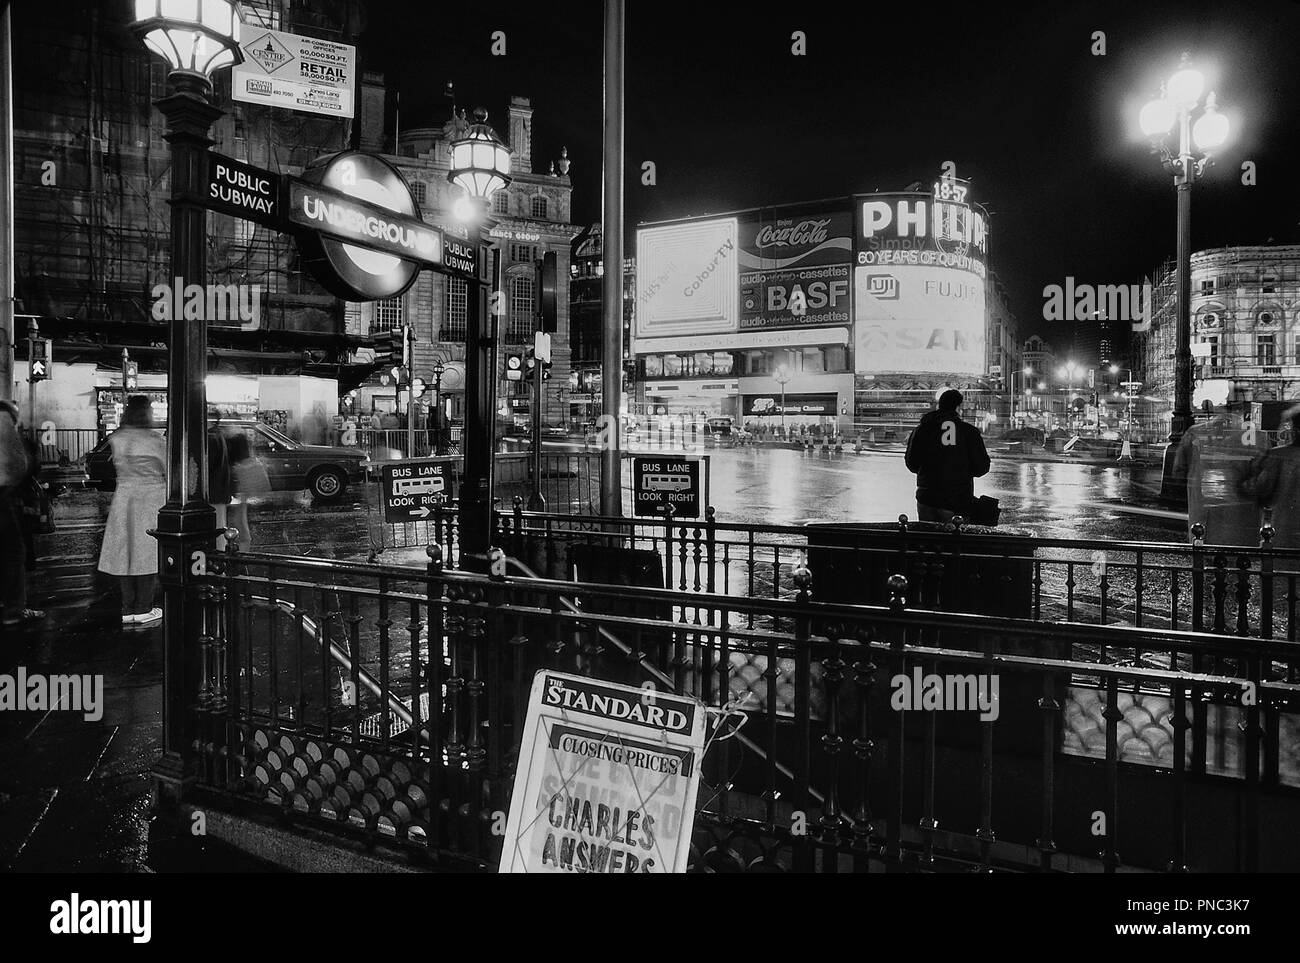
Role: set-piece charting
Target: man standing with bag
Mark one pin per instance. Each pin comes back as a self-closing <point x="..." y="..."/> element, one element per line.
<point x="946" y="454"/>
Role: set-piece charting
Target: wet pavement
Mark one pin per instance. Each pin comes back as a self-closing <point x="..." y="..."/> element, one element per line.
<point x="74" y="793"/>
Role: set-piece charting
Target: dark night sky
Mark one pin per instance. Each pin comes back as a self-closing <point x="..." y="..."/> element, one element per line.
<point x="1045" y="130"/>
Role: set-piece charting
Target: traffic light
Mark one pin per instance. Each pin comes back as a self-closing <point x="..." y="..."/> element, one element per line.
<point x="548" y="286"/>
<point x="40" y="359"/>
<point x="393" y="347"/>
<point x="530" y="367"/>
<point x="131" y="376"/>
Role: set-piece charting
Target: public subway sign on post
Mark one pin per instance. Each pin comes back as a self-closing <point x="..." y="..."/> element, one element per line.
<point x="411" y="489"/>
<point x="607" y="779"/>
<point x="243" y="191"/>
<point x="658" y="482"/>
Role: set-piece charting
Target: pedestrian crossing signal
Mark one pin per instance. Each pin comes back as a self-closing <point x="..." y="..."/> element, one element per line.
<point x="40" y="360"/>
<point x="131" y="376"/>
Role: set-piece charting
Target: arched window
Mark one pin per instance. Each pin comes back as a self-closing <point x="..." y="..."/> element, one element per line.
<point x="539" y="207"/>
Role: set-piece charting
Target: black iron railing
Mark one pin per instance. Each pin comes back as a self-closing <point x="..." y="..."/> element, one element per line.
<point x="1246" y="591"/>
<point x="388" y="703"/>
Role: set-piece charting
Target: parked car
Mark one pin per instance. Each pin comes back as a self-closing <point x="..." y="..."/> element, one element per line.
<point x="290" y="465"/>
<point x="719" y="426"/>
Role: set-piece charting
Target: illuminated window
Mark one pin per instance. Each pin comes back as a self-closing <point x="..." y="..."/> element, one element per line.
<point x="388" y="314"/>
<point x="457" y="310"/>
<point x="538" y="208"/>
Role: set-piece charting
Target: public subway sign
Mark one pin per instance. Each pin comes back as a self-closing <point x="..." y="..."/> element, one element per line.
<point x="242" y="190"/>
<point x="660" y="482"/>
<point x="607" y="780"/>
<point x="359" y="227"/>
<point x="410" y="490"/>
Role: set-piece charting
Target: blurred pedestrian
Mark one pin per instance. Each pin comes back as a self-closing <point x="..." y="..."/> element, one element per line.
<point x="1217" y="459"/>
<point x="219" y="478"/>
<point x="249" y="479"/>
<point x="946" y="454"/>
<point x="129" y="552"/>
<point x="14" y="470"/>
<point x="1275" y="484"/>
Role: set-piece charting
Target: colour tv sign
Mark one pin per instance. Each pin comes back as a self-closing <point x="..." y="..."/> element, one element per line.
<point x="686" y="281"/>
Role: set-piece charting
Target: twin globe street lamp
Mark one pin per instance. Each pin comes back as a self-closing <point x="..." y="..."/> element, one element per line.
<point x="196" y="38"/>
<point x="1178" y="113"/>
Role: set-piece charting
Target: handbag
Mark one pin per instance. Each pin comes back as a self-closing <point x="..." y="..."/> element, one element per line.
<point x="985" y="511"/>
<point x="37" y="508"/>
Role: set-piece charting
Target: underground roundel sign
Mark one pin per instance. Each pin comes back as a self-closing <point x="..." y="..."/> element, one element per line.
<point x="359" y="227"/>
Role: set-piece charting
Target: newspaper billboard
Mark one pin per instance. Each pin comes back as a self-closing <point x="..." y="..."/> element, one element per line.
<point x="294" y="72"/>
<point x="607" y="779"/>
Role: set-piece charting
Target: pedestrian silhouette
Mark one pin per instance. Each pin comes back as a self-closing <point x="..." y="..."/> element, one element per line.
<point x="946" y="454"/>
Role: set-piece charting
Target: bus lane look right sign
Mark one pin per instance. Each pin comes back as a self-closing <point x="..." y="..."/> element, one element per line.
<point x="411" y="489"/>
<point x="658" y="482"/>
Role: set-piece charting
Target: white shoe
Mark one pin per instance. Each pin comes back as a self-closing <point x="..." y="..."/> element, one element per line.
<point x="152" y="617"/>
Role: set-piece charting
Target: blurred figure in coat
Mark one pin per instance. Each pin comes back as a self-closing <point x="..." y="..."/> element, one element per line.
<point x="129" y="552"/>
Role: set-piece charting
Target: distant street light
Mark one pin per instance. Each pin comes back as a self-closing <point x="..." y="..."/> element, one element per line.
<point x="1180" y="99"/>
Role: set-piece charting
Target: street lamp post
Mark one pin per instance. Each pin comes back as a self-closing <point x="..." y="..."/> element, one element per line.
<point x="782" y="377"/>
<point x="480" y="165"/>
<point x="1179" y="99"/>
<point x="196" y="39"/>
<point x="439" y="369"/>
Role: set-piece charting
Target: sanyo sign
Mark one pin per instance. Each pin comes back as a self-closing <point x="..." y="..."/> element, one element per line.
<point x="917" y="221"/>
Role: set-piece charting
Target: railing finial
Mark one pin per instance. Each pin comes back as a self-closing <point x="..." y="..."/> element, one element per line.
<point x="902" y="524"/>
<point x="802" y="577"/>
<point x="897" y="591"/>
<point x="1198" y="535"/>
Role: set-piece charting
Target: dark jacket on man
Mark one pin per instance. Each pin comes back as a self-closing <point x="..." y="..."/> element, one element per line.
<point x="946" y="473"/>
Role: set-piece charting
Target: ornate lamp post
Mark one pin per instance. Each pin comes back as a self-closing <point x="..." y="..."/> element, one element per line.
<point x="196" y="38"/>
<point x="1186" y="160"/>
<point x="782" y="377"/>
<point x="439" y="369"/>
<point x="480" y="165"/>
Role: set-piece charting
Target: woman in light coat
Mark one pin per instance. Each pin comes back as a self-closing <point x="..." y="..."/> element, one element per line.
<point x="129" y="551"/>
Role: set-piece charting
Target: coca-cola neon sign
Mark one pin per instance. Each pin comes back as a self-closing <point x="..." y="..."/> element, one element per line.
<point x="804" y="232"/>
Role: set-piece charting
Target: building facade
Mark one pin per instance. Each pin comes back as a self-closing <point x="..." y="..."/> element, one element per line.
<point x="92" y="222"/>
<point x="845" y="314"/>
<point x="528" y="219"/>
<point x="1245" y="315"/>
